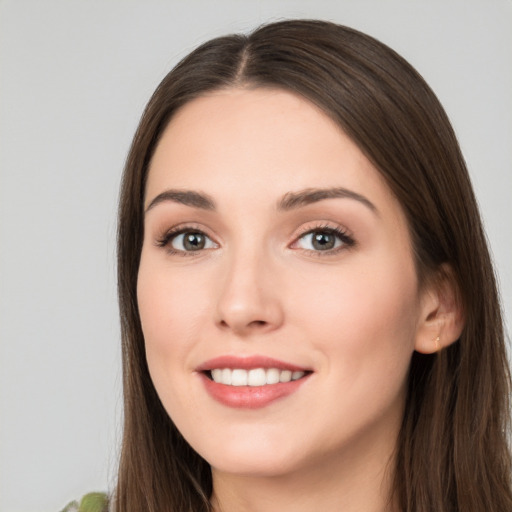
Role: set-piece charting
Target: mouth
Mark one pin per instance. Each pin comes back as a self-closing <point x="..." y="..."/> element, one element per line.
<point x="255" y="377"/>
<point x="251" y="382"/>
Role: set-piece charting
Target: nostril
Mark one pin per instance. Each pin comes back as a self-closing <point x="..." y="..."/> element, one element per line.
<point x="258" y="322"/>
<point x="254" y="323"/>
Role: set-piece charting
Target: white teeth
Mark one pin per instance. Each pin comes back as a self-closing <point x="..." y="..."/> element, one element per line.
<point x="239" y="378"/>
<point x="286" y="376"/>
<point x="217" y="374"/>
<point x="225" y="376"/>
<point x="273" y="376"/>
<point x="257" y="377"/>
<point x="254" y="377"/>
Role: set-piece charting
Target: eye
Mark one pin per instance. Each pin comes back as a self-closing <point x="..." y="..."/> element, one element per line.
<point x="323" y="239"/>
<point x="186" y="240"/>
<point x="191" y="241"/>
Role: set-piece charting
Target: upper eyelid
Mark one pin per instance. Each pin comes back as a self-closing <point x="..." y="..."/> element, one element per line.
<point x="318" y="227"/>
<point x="187" y="226"/>
<point x="323" y="225"/>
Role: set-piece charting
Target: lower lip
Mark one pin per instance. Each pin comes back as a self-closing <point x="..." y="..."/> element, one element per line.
<point x="250" y="397"/>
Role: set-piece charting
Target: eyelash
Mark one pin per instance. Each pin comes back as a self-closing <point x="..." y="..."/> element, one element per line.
<point x="347" y="241"/>
<point x="165" y="240"/>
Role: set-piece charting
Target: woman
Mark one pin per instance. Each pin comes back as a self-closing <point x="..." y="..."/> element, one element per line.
<point x="309" y="312"/>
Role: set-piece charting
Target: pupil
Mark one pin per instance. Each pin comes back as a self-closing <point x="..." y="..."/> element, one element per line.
<point x="323" y="241"/>
<point x="193" y="241"/>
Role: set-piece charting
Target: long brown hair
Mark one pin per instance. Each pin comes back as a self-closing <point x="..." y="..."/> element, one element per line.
<point x="452" y="452"/>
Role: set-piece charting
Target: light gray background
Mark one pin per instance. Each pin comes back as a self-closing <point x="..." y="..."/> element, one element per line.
<point x="74" y="77"/>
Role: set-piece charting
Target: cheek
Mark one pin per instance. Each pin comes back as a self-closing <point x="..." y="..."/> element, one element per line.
<point x="364" y="332"/>
<point x="171" y="314"/>
<point x="363" y="319"/>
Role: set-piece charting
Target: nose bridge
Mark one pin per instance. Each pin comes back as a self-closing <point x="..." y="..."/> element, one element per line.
<point x="248" y="298"/>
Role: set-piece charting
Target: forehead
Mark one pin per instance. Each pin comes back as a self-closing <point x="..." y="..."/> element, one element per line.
<point x="268" y="141"/>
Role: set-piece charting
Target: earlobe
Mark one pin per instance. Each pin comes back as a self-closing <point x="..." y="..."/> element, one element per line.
<point x="441" y="317"/>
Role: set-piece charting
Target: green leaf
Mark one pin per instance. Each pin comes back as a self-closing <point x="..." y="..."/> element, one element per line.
<point x="71" y="507"/>
<point x="94" y="502"/>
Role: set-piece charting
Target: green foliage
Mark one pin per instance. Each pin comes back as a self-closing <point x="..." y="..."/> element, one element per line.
<point x="92" y="502"/>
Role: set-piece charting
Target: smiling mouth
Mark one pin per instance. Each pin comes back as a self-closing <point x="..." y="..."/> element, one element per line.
<point x="254" y="377"/>
<point x="251" y="382"/>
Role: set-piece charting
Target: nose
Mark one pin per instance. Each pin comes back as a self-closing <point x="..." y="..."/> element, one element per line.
<point x="249" y="300"/>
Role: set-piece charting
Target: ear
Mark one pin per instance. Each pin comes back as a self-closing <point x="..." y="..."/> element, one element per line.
<point x="441" y="315"/>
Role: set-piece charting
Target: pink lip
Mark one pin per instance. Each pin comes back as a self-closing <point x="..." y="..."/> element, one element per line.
<point x="249" y="397"/>
<point x="248" y="363"/>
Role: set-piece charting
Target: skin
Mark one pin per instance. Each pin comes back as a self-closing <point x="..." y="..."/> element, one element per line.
<point x="352" y="315"/>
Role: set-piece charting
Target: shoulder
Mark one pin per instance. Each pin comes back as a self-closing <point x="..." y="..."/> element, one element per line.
<point x="92" y="502"/>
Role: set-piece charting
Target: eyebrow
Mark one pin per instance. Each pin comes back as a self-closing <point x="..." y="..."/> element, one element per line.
<point x="293" y="200"/>
<point x="290" y="201"/>
<point x="186" y="197"/>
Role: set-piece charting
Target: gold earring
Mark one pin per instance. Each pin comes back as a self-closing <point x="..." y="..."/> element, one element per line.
<point x="437" y="342"/>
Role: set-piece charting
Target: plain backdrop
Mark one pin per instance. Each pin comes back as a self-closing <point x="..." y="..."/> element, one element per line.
<point x="74" y="78"/>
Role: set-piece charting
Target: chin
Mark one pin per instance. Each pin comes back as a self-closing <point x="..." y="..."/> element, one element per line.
<point x="258" y="467"/>
<point x="251" y="456"/>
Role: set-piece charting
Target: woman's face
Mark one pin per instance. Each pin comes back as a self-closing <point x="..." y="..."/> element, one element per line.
<point x="277" y="262"/>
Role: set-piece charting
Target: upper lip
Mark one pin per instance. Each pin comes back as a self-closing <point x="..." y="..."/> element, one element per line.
<point x="248" y="363"/>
